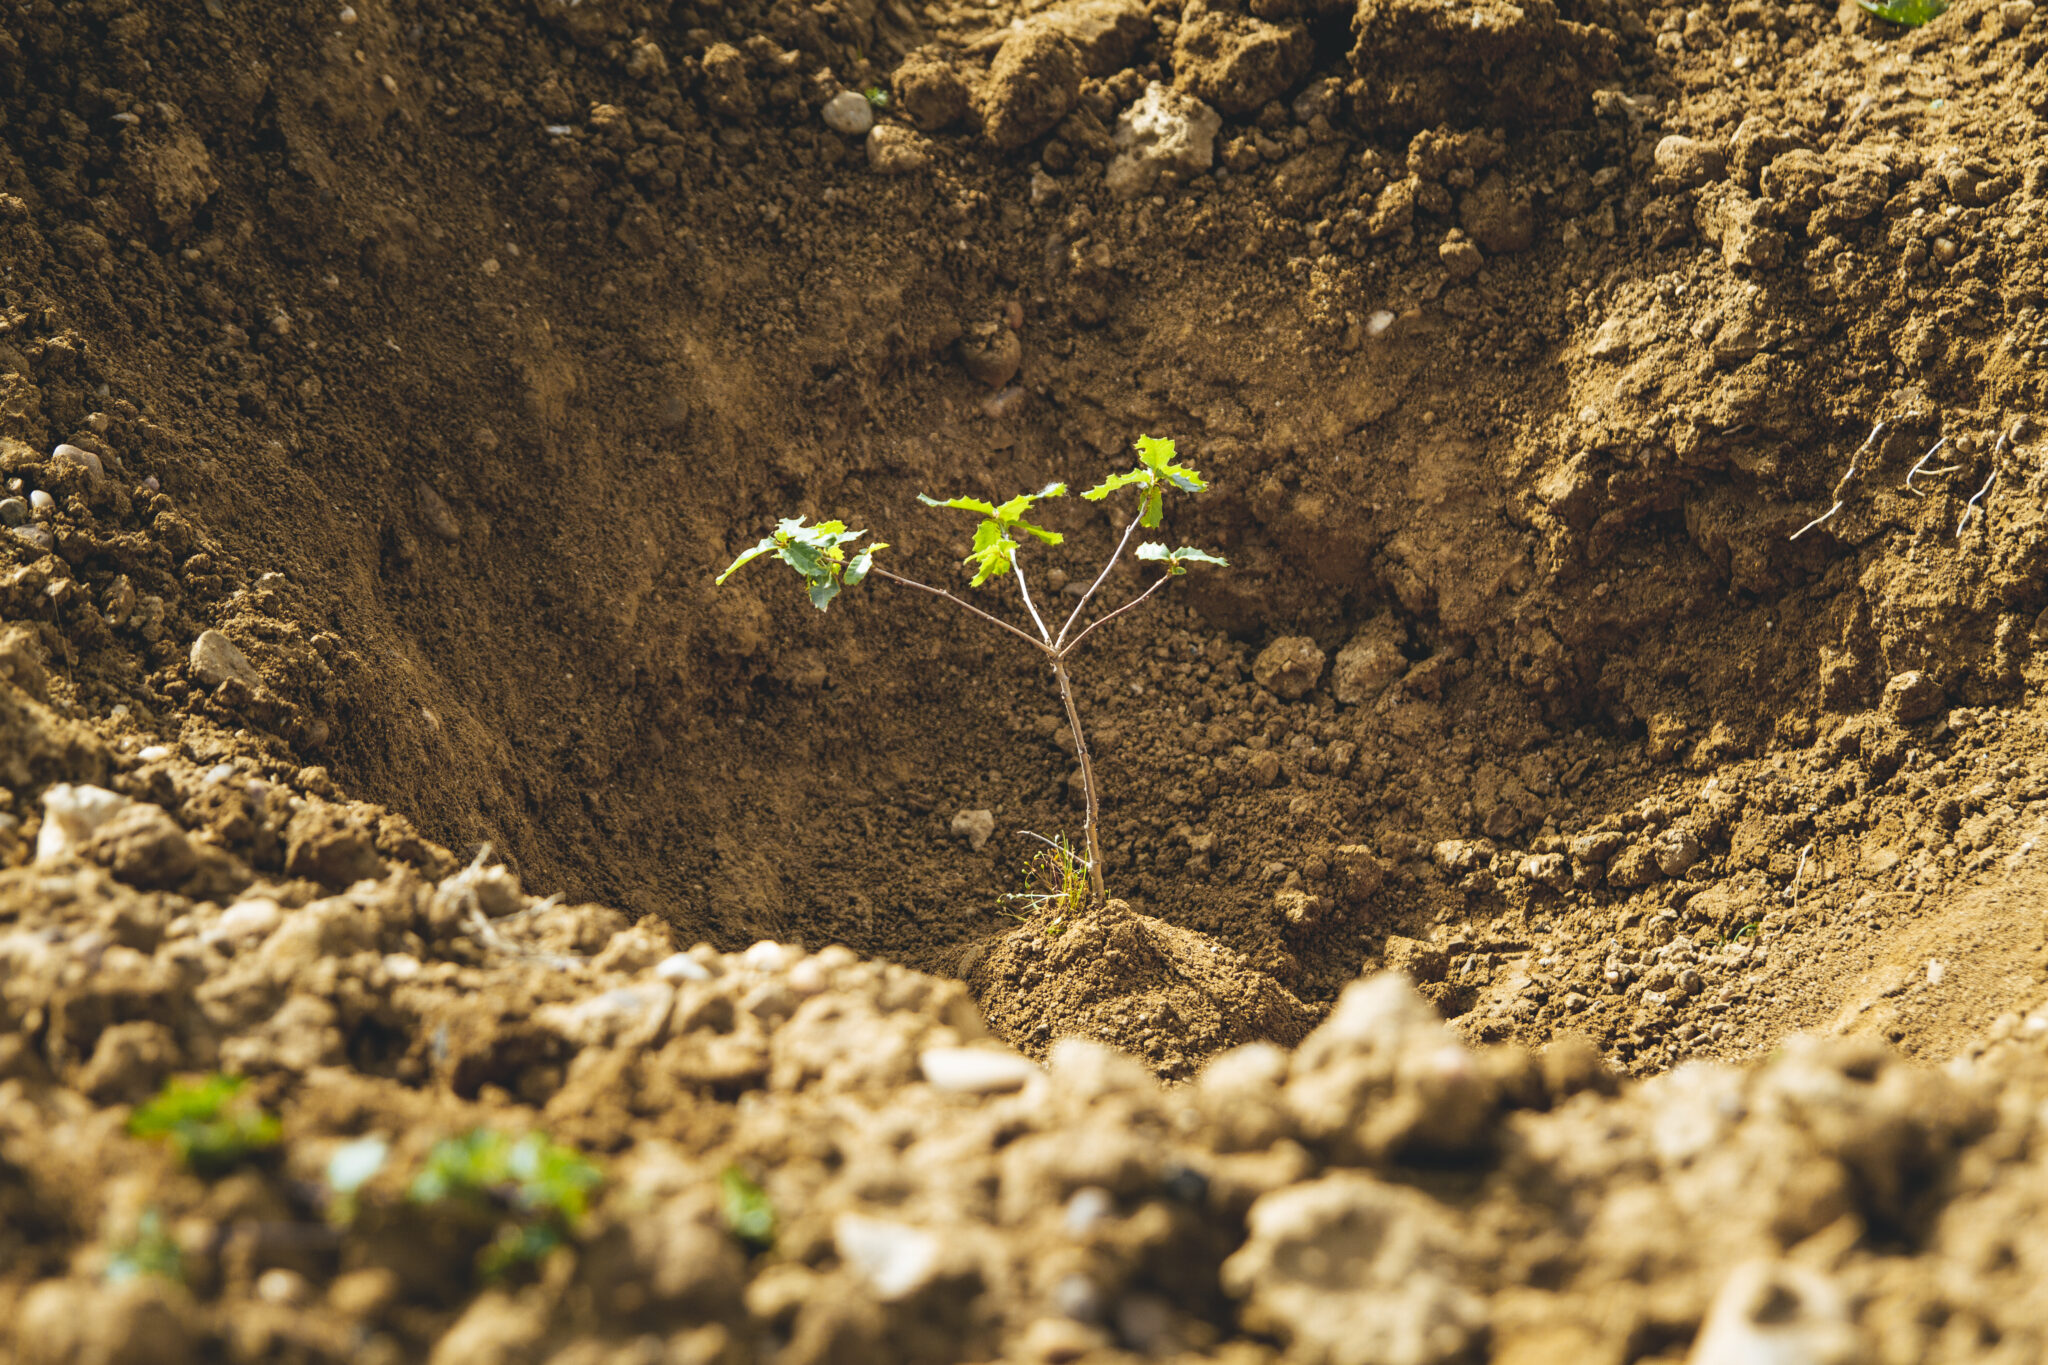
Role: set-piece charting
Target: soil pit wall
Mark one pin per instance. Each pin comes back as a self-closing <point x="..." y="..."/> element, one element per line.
<point x="420" y="371"/>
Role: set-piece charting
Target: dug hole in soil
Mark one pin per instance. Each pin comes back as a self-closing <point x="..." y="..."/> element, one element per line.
<point x="1575" y="878"/>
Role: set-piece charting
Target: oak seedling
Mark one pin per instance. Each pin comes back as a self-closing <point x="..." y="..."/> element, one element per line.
<point x="825" y="557"/>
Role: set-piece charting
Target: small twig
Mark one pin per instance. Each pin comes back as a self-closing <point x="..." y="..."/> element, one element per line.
<point x="1156" y="586"/>
<point x="1791" y="893"/>
<point x="1082" y="605"/>
<point x="1855" y="462"/>
<point x="1023" y="635"/>
<point x="1971" y="506"/>
<point x="1921" y="467"/>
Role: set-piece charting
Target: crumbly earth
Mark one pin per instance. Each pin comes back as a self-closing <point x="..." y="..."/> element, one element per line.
<point x="382" y="385"/>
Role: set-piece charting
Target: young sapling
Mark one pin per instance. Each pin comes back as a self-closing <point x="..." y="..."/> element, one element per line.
<point x="824" y="557"/>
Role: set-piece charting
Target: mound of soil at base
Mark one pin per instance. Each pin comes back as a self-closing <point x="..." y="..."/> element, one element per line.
<point x="380" y="390"/>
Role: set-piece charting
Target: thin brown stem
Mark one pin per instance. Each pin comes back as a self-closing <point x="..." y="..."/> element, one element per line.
<point x="1082" y="605"/>
<point x="1025" y="636"/>
<point x="1089" y="821"/>
<point x="1069" y="649"/>
<point x="1029" y="606"/>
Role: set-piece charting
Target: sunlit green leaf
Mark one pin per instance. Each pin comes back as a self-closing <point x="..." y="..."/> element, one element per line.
<point x="1116" y="481"/>
<point x="746" y="557"/>
<point x="1908" y="13"/>
<point x="1176" y="561"/>
<point x="987" y="509"/>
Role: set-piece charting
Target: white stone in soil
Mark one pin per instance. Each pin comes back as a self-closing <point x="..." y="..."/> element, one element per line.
<point x="681" y="967"/>
<point x="1778" y="1313"/>
<point x="850" y="113"/>
<point x="71" y="815"/>
<point x="895" y="1259"/>
<point x="250" y="919"/>
<point x="976" y="1070"/>
<point x="80" y="456"/>
<point x="1163" y="128"/>
<point x="770" y="956"/>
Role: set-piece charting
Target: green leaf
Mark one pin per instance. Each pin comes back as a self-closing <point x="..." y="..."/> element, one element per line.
<point x="745" y="1208"/>
<point x="987" y="509"/>
<point x="823" y="590"/>
<point x="994" y="553"/>
<point x="1176" y="561"/>
<point x="1116" y="481"/>
<point x="857" y="568"/>
<point x="746" y="557"/>
<point x="1908" y="13"/>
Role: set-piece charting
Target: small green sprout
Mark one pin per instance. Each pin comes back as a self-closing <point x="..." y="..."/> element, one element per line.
<point x="1907" y="13"/>
<point x="149" y="1252"/>
<point x="818" y="554"/>
<point x="876" y="96"/>
<point x="207" y="1122"/>
<point x="539" y="1188"/>
<point x="1055" y="878"/>
<point x="744" y="1206"/>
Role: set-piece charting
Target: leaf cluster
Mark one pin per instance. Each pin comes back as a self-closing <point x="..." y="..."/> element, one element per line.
<point x="541" y="1187"/>
<point x="819" y="554"/>
<point x="1157" y="470"/>
<point x="995" y="542"/>
<point x="208" y="1122"/>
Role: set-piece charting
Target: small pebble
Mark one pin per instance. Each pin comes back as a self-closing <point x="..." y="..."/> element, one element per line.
<point x="681" y="967"/>
<point x="850" y="113"/>
<point x="155" y="753"/>
<point x="1090" y="1205"/>
<point x="244" y="920"/>
<point x="975" y="1070"/>
<point x="80" y="455"/>
<point x="281" y="1286"/>
<point x="34" y="537"/>
<point x="895" y="1259"/>
<point x="153" y="484"/>
<point x="41" y="501"/>
<point x="348" y="14"/>
<point x="770" y="956"/>
<point x="13" y="512"/>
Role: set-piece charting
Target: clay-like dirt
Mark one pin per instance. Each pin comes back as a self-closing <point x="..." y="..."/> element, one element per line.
<point x="382" y="386"/>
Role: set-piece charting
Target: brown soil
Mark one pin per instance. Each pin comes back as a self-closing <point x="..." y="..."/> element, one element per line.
<point x="421" y="365"/>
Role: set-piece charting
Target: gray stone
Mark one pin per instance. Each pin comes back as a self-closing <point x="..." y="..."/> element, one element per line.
<point x="850" y="113"/>
<point x="13" y="512"/>
<point x="215" y="659"/>
<point x="35" y="537"/>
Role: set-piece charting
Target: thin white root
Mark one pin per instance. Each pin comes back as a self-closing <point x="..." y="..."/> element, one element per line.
<point x="1855" y="463"/>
